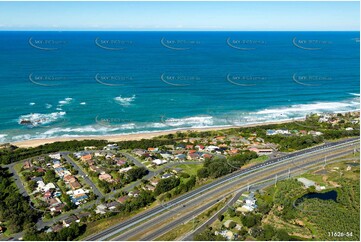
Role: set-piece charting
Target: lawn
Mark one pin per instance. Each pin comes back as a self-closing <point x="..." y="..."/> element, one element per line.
<point x="191" y="169"/>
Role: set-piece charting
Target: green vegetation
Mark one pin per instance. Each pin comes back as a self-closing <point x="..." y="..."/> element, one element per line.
<point x="14" y="208"/>
<point x="282" y="215"/>
<point x="217" y="167"/>
<point x="166" y="185"/>
<point x="66" y="234"/>
<point x="10" y="154"/>
<point x="136" y="173"/>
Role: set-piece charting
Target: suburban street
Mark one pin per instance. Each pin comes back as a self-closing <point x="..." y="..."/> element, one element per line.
<point x="86" y="178"/>
<point x="266" y="166"/>
<point x="17" y="179"/>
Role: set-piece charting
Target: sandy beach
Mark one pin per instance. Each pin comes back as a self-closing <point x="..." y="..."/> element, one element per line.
<point x="125" y="137"/>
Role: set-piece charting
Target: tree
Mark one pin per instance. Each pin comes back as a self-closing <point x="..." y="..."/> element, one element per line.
<point x="203" y="172"/>
<point x="166" y="185"/>
<point x="136" y="173"/>
<point x="50" y="176"/>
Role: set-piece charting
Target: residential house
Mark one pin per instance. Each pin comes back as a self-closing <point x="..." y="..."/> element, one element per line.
<point x="69" y="220"/>
<point x="27" y="164"/>
<point x="86" y="157"/>
<point x="125" y="169"/>
<point x="180" y="157"/>
<point x="101" y="209"/>
<point x="57" y="227"/>
<point x="151" y="149"/>
<point x="149" y="187"/>
<point x="69" y="178"/>
<point x="167" y="175"/>
<point x="112" y="205"/>
<point x="111" y="147"/>
<point x="159" y="161"/>
<point x="56" y="156"/>
<point x="121" y="162"/>
<point x="139" y="152"/>
<point x="74" y="185"/>
<point x="133" y="193"/>
<point x="106" y="177"/>
<point x="53" y="202"/>
<point x="122" y="199"/>
<point x="44" y="188"/>
<point x="154" y="181"/>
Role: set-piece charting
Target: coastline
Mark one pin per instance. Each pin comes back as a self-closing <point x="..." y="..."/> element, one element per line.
<point x="137" y="136"/>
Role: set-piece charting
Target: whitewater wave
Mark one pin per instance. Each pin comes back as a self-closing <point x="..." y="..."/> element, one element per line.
<point x="355" y="94"/>
<point x="296" y="111"/>
<point x="167" y="123"/>
<point x="195" y="122"/>
<point x="31" y="104"/>
<point x="47" y="106"/>
<point x="2" y="138"/>
<point x="36" y="119"/>
<point x="66" y="101"/>
<point x="89" y="129"/>
<point x="83" y="103"/>
<point x="125" y="101"/>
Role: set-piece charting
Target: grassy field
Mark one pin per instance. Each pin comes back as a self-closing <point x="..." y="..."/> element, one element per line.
<point x="191" y="169"/>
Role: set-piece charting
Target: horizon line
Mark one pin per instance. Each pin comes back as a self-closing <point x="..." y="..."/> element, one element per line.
<point x="50" y="30"/>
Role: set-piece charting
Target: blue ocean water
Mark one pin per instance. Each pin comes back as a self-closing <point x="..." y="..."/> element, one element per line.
<point x="96" y="83"/>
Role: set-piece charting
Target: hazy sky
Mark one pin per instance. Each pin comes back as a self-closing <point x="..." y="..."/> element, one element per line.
<point x="179" y="16"/>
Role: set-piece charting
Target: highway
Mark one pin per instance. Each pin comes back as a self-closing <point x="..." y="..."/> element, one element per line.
<point x="296" y="170"/>
<point x="317" y="150"/>
<point x="158" y="227"/>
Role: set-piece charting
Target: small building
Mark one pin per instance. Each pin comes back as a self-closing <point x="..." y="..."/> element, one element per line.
<point x="159" y="161"/>
<point x="27" y="164"/>
<point x="69" y="220"/>
<point x="106" y="177"/>
<point x="122" y="199"/>
<point x="154" y="181"/>
<point x="167" y="175"/>
<point x="74" y="185"/>
<point x="112" y="205"/>
<point x="69" y="178"/>
<point x="53" y="202"/>
<point x="86" y="157"/>
<point x="149" y="187"/>
<point x="57" y="227"/>
<point x="101" y="209"/>
<point x="228" y="223"/>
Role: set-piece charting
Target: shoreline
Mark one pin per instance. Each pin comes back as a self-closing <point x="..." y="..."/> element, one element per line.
<point x="138" y="136"/>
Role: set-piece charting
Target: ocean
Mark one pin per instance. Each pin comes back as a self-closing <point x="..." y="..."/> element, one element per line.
<point x="60" y="84"/>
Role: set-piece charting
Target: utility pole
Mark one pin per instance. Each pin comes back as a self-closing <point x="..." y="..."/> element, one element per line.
<point x="289" y="172"/>
<point x="276" y="180"/>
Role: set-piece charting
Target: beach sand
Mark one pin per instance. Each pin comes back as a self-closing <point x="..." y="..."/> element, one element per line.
<point x="125" y="137"/>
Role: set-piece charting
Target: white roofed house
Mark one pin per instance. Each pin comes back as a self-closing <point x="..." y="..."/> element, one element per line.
<point x="44" y="188"/>
<point x="166" y="156"/>
<point x="159" y="161"/>
<point x="139" y="152"/>
<point x="125" y="169"/>
<point x="211" y="148"/>
<point x="111" y="147"/>
<point x="56" y="156"/>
